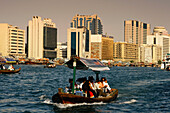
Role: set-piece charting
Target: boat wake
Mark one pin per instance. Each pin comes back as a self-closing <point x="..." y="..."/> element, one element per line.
<point x="63" y="106"/>
<point x="129" y="102"/>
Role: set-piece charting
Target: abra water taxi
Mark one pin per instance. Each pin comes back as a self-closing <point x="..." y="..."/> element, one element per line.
<point x="7" y="71"/>
<point x="83" y="64"/>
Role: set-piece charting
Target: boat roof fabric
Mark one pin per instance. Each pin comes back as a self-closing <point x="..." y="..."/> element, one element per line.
<point x="84" y="64"/>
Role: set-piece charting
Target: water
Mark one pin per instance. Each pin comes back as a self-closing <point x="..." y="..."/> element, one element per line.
<point x="141" y="89"/>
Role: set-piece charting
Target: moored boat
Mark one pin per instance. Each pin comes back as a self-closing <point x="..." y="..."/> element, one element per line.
<point x="83" y="64"/>
<point x="7" y="71"/>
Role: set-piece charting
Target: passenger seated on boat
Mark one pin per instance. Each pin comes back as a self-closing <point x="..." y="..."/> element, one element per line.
<point x="2" y="67"/>
<point x="98" y="88"/>
<point x="11" y="67"/>
<point x="105" y="85"/>
<point x="82" y="82"/>
<point x="71" y="85"/>
<point x="88" y="88"/>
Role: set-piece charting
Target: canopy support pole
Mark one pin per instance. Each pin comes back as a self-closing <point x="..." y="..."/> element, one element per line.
<point x="74" y="75"/>
<point x="97" y="75"/>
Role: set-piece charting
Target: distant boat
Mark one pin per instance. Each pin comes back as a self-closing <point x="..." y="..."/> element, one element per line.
<point x="166" y="63"/>
<point x="7" y="71"/>
<point x="83" y="64"/>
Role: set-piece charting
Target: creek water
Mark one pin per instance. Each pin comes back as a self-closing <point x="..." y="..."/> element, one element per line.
<point x="141" y="89"/>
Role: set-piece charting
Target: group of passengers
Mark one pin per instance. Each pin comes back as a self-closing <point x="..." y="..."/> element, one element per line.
<point x="90" y="88"/>
<point x="11" y="67"/>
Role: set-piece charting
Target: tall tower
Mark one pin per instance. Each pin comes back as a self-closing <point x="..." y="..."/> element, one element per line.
<point x="136" y="32"/>
<point x="91" y="22"/>
<point x="42" y="38"/>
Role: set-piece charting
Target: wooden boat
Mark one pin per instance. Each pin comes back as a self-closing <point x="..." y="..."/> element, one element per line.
<point x="83" y="64"/>
<point x="6" y="71"/>
<point x="65" y="98"/>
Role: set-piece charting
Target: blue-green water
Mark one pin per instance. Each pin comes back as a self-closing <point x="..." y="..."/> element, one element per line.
<point x="141" y="89"/>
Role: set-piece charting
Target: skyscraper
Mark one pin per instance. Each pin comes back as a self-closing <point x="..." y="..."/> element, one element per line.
<point x="42" y="38"/>
<point x="136" y="32"/>
<point x="91" y="22"/>
<point x="12" y="40"/>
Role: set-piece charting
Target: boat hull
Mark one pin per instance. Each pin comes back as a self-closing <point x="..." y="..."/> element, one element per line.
<point x="65" y="98"/>
<point x="6" y="71"/>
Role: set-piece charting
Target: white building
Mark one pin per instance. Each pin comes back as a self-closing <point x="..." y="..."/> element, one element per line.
<point x="160" y="40"/>
<point x="42" y="38"/>
<point x="78" y="42"/>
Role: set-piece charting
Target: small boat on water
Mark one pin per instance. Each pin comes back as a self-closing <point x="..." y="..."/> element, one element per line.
<point x="50" y="66"/>
<point x="83" y="64"/>
<point x="7" y="71"/>
<point x="166" y="63"/>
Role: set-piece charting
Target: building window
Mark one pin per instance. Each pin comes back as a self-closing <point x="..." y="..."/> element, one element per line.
<point x="154" y="41"/>
<point x="73" y="43"/>
<point x="87" y="41"/>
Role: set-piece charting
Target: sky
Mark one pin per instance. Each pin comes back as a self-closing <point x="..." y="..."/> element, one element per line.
<point x="112" y="13"/>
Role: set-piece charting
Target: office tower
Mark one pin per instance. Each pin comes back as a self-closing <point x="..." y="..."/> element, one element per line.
<point x="61" y="50"/>
<point x="12" y="40"/>
<point x="91" y="22"/>
<point x="78" y="42"/>
<point x="42" y="38"/>
<point x="160" y="37"/>
<point x="136" y="32"/>
<point x="125" y="52"/>
<point x="102" y="47"/>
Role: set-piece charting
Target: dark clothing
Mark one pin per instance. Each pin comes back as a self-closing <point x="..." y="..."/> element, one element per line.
<point x="87" y="88"/>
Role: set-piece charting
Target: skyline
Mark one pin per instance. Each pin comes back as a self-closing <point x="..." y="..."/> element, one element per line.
<point x="112" y="13"/>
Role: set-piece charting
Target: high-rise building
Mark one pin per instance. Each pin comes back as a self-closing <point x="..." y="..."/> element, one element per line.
<point x="42" y="38"/>
<point x="12" y="40"/>
<point x="136" y="32"/>
<point x="102" y="47"/>
<point x="125" y="52"/>
<point x="91" y="22"/>
<point x="78" y="42"/>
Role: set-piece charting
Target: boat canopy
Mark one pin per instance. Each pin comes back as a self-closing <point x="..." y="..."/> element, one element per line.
<point x="85" y="64"/>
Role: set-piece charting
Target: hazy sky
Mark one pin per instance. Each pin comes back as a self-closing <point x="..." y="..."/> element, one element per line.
<point x="112" y="13"/>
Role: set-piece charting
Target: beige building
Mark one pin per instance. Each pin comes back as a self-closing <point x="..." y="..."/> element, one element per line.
<point x="12" y="40"/>
<point x="102" y="47"/>
<point x="136" y="32"/>
<point x="125" y="52"/>
<point x="150" y="53"/>
<point x="42" y="38"/>
<point x="78" y="42"/>
<point x="61" y="50"/>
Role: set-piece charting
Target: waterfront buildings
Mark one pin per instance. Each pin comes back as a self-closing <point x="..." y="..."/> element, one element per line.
<point x="125" y="52"/>
<point x="161" y="38"/>
<point x="136" y="32"/>
<point x="150" y="53"/>
<point x="102" y="47"/>
<point x="12" y="40"/>
<point x="61" y="50"/>
<point x="91" y="22"/>
<point x="78" y="42"/>
<point x="42" y="38"/>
